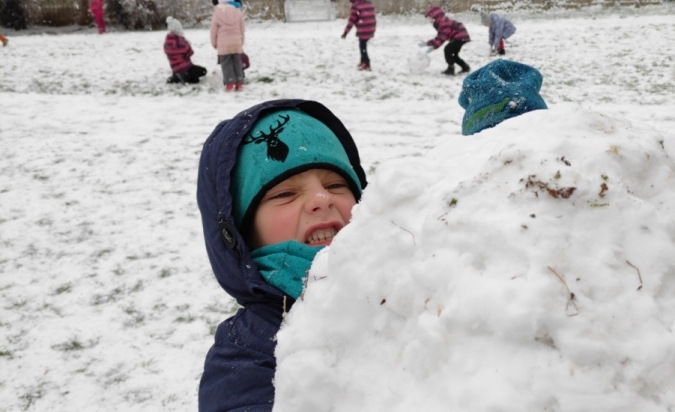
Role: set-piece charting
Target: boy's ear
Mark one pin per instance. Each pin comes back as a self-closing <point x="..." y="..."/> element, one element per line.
<point x="229" y="233"/>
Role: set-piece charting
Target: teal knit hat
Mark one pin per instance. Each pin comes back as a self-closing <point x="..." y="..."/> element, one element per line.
<point x="282" y="144"/>
<point x="498" y="91"/>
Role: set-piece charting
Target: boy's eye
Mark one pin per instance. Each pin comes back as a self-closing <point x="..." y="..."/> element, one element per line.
<point x="282" y="195"/>
<point x="337" y="185"/>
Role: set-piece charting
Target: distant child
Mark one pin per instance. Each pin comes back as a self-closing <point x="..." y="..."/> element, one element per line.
<point x="227" y="37"/>
<point x="452" y="31"/>
<point x="498" y="91"/>
<point x="276" y="183"/>
<point x="500" y="29"/>
<point x="363" y="17"/>
<point x="96" y="8"/>
<point x="178" y="51"/>
<point x="4" y="40"/>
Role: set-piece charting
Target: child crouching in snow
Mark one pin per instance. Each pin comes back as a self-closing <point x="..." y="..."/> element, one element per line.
<point x="499" y="30"/>
<point x="451" y="31"/>
<point x="276" y="184"/>
<point x="179" y="51"/>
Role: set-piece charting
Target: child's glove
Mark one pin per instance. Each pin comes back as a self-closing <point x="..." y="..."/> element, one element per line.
<point x="422" y="43"/>
<point x="344" y="35"/>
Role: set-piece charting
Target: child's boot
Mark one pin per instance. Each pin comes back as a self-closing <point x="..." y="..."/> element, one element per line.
<point x="501" y="49"/>
<point x="364" y="66"/>
<point x="450" y="71"/>
<point x="238" y="87"/>
<point x="229" y="87"/>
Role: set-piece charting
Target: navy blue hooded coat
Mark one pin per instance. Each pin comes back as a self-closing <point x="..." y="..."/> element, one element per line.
<point x="239" y="367"/>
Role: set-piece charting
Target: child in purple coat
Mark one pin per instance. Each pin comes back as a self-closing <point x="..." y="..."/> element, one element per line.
<point x="363" y="17"/>
<point x="499" y="30"/>
<point x="451" y="31"/>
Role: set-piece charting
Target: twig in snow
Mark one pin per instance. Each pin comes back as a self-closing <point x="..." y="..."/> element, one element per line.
<point x="402" y="228"/>
<point x="571" y="301"/>
<point x="638" y="272"/>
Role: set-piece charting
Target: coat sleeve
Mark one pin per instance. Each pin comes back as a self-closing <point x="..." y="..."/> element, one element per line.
<point x="242" y="27"/>
<point x="443" y="34"/>
<point x="353" y="18"/>
<point x="214" y="31"/>
<point x="239" y="367"/>
<point x="498" y="25"/>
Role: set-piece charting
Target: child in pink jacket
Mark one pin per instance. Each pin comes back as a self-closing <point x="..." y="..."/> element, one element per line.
<point x="362" y="15"/>
<point x="227" y="37"/>
<point x="96" y="8"/>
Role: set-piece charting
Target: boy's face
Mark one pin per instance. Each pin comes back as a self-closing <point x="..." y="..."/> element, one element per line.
<point x="310" y="207"/>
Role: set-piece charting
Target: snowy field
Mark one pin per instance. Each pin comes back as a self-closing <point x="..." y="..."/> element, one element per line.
<point x="107" y="301"/>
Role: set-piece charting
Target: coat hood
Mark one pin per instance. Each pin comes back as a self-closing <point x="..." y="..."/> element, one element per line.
<point x="229" y="255"/>
<point x="434" y="12"/>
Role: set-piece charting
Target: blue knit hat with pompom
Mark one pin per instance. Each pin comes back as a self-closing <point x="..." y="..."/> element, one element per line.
<point x="498" y="91"/>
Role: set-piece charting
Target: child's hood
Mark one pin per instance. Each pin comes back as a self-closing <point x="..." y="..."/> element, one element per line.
<point x="229" y="256"/>
<point x="229" y="14"/>
<point x="436" y="13"/>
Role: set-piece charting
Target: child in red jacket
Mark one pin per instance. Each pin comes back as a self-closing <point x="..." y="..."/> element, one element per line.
<point x="448" y="30"/>
<point x="363" y="16"/>
<point x="178" y="51"/>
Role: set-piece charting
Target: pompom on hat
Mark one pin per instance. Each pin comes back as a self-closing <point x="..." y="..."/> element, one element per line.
<point x="174" y="26"/>
<point x="498" y="91"/>
<point x="282" y="144"/>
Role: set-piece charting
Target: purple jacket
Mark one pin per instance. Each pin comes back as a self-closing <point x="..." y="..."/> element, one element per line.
<point x="500" y="28"/>
<point x="178" y="50"/>
<point x="363" y="17"/>
<point x="448" y="30"/>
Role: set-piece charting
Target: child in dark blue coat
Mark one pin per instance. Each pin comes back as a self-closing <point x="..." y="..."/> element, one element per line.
<point x="276" y="184"/>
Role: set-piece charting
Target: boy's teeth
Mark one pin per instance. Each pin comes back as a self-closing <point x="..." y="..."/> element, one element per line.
<point x="320" y="235"/>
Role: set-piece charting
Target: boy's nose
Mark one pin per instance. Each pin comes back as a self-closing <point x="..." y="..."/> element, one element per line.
<point x="319" y="198"/>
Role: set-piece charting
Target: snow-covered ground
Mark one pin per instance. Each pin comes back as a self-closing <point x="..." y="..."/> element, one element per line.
<point x="107" y="301"/>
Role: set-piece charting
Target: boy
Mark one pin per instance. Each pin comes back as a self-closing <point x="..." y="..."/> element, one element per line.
<point x="499" y="29"/>
<point x="276" y="183"/>
<point x="448" y="30"/>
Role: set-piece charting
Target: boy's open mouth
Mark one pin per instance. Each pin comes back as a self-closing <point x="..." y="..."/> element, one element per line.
<point x="321" y="236"/>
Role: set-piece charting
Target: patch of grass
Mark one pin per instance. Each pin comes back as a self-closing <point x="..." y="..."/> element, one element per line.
<point x="72" y="344"/>
<point x="137" y="287"/>
<point x="32" y="395"/>
<point x="135" y="317"/>
<point x="99" y="298"/>
<point x="17" y="304"/>
<point x="63" y="289"/>
<point x="102" y="252"/>
<point x="188" y="318"/>
<point x="265" y="79"/>
<point x="6" y="354"/>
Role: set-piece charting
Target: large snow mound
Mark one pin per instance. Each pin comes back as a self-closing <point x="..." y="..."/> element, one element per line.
<point x="540" y="278"/>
